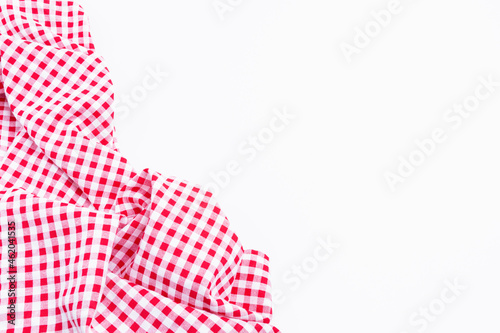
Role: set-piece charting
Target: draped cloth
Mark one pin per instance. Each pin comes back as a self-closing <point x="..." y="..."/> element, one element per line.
<point x="100" y="246"/>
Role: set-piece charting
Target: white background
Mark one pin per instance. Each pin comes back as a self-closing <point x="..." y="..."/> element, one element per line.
<point x="323" y="175"/>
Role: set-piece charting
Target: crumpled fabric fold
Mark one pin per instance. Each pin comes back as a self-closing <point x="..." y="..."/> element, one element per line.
<point x="100" y="246"/>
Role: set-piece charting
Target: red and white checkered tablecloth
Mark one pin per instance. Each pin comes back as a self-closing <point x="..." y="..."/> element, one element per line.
<point x="88" y="243"/>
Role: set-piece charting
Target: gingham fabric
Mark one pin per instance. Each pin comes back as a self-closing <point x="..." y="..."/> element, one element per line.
<point x="99" y="246"/>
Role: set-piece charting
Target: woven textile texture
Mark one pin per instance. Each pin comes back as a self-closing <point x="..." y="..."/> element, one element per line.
<point x="89" y="244"/>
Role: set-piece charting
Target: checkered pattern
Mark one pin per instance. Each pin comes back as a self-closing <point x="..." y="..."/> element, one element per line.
<point x="100" y="246"/>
